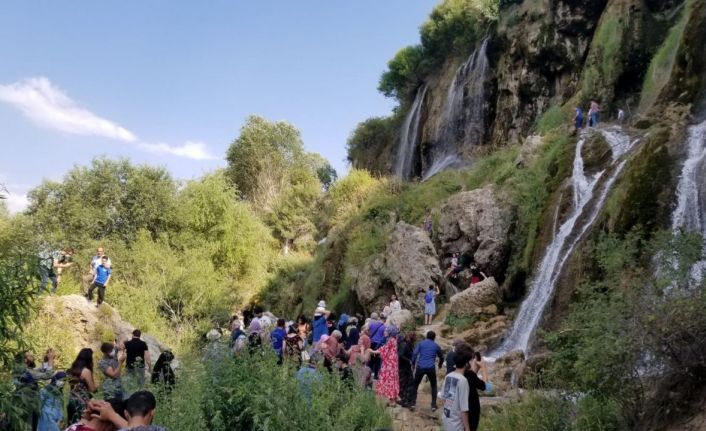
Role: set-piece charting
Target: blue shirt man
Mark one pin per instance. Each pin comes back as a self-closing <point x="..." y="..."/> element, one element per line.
<point x="424" y="356"/>
<point x="102" y="274"/>
<point x="377" y="332"/>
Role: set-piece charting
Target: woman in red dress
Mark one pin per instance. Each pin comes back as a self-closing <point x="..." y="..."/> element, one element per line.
<point x="388" y="386"/>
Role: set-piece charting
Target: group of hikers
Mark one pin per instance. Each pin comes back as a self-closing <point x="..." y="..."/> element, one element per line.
<point x="125" y="405"/>
<point x="368" y="353"/>
<point x="52" y="263"/>
<point x="594" y="114"/>
<point x="371" y="353"/>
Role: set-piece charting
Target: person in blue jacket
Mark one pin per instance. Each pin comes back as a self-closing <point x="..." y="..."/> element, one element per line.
<point x="424" y="358"/>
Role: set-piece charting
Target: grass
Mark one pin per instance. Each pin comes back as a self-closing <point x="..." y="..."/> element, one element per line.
<point x="460" y="323"/>
<point x="661" y="65"/>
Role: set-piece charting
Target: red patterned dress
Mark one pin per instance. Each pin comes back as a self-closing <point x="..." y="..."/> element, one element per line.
<point x="388" y="385"/>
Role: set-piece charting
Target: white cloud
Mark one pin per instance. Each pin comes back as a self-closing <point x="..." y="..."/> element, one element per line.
<point x="16" y="203"/>
<point x="190" y="150"/>
<point x="48" y="106"/>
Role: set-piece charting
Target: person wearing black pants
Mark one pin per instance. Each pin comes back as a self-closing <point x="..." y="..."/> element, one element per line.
<point x="425" y="355"/>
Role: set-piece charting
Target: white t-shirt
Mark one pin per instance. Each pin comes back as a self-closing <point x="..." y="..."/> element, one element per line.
<point x="455" y="395"/>
<point x="95" y="262"/>
<point x="395" y="305"/>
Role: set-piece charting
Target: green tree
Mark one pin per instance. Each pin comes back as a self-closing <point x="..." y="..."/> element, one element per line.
<point x="322" y="168"/>
<point x="370" y="144"/>
<point x="109" y="198"/>
<point x="404" y="73"/>
<point x="293" y="217"/>
<point x="261" y="159"/>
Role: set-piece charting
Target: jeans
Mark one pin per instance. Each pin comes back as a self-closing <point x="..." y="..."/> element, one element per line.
<point x="418" y="376"/>
<point x="47" y="274"/>
<point x="101" y="292"/>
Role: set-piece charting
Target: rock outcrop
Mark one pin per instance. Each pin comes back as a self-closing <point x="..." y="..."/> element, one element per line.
<point x="473" y="300"/>
<point x="477" y="224"/>
<point x="85" y="325"/>
<point x="412" y="265"/>
<point x="400" y="318"/>
<point x="407" y="268"/>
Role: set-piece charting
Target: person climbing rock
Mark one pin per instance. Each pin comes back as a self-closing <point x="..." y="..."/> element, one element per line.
<point x="454" y="267"/>
<point x="51" y="263"/>
<point x="476" y="275"/>
<point x="429" y="224"/>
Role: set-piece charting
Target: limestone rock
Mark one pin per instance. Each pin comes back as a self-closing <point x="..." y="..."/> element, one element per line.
<point x="88" y="323"/>
<point x="472" y="300"/>
<point x="400" y="318"/>
<point x="370" y="287"/>
<point x="477" y="224"/>
<point x="411" y="265"/>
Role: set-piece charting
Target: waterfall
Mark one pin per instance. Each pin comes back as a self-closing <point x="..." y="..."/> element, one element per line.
<point x="462" y="118"/>
<point x="690" y="213"/>
<point x="587" y="203"/>
<point x="409" y="136"/>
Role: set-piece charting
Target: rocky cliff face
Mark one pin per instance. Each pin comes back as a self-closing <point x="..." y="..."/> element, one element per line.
<point x="544" y="53"/>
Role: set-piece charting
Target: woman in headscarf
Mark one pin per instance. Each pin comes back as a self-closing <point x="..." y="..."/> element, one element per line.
<point x="388" y="385"/>
<point x="162" y="373"/>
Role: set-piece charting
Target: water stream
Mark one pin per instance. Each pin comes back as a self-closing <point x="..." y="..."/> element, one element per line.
<point x="462" y="118"/>
<point x="589" y="195"/>
<point x="690" y="213"/>
<point x="409" y="136"/>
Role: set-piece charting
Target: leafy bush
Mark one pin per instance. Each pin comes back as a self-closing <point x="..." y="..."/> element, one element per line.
<point x="535" y="413"/>
<point x="371" y="143"/>
<point x="255" y="393"/>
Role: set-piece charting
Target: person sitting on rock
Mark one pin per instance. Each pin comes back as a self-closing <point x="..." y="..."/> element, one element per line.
<point x="454" y="268"/>
<point x="476" y="275"/>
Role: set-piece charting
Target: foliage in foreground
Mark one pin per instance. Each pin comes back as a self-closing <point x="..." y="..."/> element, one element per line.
<point x="254" y="393"/>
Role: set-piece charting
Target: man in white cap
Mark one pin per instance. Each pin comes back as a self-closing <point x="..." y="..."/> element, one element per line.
<point x="319" y="324"/>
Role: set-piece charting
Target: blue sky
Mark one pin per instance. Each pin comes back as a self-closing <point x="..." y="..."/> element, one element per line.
<point x="170" y="82"/>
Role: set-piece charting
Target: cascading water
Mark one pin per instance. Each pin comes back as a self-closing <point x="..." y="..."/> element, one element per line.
<point x="587" y="203"/>
<point x="690" y="213"/>
<point x="409" y="136"/>
<point x="462" y="118"/>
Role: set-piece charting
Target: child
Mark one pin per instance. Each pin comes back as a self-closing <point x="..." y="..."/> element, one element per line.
<point x="100" y="280"/>
<point x="455" y="392"/>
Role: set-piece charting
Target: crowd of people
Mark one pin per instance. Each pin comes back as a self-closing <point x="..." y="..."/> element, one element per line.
<point x="365" y="353"/>
<point x="370" y="353"/>
<point x="125" y="405"/>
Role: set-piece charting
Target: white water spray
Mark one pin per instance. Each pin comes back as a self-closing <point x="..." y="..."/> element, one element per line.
<point x="587" y="203"/>
<point x="690" y="213"/>
<point x="409" y="136"/>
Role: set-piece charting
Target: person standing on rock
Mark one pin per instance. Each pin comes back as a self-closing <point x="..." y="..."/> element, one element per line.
<point x="430" y="304"/>
<point x="138" y="359"/>
<point x="424" y="358"/>
<point x="100" y="280"/>
<point x="50" y="266"/>
<point x="429" y="224"/>
<point x="578" y="118"/>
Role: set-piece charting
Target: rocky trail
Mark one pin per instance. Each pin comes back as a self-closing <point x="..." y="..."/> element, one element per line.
<point x="422" y="418"/>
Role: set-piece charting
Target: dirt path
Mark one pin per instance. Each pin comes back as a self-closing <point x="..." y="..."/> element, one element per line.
<point x="422" y="418"/>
